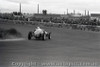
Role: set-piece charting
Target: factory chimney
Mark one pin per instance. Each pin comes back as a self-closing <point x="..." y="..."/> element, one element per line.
<point x="73" y="11"/>
<point x="38" y="8"/>
<point x="88" y="13"/>
<point x="67" y="11"/>
<point x="85" y="12"/>
<point x="20" y="7"/>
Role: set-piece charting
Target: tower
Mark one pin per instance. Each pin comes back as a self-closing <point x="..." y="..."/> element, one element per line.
<point x="44" y="12"/>
<point x="88" y="13"/>
<point x="73" y="11"/>
<point x="85" y="12"/>
<point x="38" y="8"/>
<point x="20" y="7"/>
<point x="67" y="11"/>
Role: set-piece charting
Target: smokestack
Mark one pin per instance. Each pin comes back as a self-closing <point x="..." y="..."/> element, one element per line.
<point x="85" y="12"/>
<point x="38" y="9"/>
<point x="67" y="11"/>
<point x="20" y="8"/>
<point x="74" y="11"/>
<point x="88" y="13"/>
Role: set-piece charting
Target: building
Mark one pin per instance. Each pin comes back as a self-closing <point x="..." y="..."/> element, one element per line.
<point x="44" y="15"/>
<point x="47" y="16"/>
<point x="95" y="16"/>
<point x="28" y="16"/>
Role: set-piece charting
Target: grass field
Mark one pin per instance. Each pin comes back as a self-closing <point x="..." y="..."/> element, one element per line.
<point x="65" y="45"/>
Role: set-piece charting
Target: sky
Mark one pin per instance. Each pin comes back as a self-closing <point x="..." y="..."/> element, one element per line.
<point x="52" y="6"/>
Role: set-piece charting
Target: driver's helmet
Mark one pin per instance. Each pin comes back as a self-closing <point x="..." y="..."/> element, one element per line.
<point x="38" y="27"/>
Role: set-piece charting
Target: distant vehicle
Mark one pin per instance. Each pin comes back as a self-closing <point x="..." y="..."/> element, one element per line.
<point x="41" y="35"/>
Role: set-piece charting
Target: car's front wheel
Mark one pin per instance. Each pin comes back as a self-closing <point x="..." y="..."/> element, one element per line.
<point x="49" y="35"/>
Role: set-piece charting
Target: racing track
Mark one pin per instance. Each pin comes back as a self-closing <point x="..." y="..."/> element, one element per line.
<point x="65" y="46"/>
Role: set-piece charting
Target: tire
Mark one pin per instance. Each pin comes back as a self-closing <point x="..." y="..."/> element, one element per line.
<point x="29" y="35"/>
<point x="43" y="36"/>
<point x="49" y="36"/>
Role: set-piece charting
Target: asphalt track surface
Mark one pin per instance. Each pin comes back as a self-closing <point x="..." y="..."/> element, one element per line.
<point x="65" y="46"/>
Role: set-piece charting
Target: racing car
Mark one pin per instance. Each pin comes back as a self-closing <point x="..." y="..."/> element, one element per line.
<point x="45" y="35"/>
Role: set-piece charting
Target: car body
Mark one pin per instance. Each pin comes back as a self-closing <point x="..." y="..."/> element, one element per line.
<point x="45" y="35"/>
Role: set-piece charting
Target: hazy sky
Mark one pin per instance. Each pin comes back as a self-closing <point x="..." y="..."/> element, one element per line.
<point x="52" y="6"/>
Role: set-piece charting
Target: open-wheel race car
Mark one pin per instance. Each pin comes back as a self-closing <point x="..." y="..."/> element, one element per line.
<point x="42" y="36"/>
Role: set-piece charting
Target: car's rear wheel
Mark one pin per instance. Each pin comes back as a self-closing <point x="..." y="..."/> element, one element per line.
<point x="49" y="36"/>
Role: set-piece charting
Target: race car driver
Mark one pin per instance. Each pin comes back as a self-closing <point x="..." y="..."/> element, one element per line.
<point x="38" y="31"/>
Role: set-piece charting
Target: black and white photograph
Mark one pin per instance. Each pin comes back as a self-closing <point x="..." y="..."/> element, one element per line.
<point x="49" y="33"/>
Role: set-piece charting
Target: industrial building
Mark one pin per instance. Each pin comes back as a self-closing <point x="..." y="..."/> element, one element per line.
<point x="95" y="16"/>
